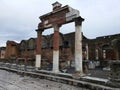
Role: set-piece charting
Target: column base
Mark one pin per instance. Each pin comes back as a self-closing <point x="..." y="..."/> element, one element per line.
<point x="78" y="74"/>
<point x="55" y="61"/>
<point x="55" y="71"/>
<point x="38" y="61"/>
<point x="37" y="68"/>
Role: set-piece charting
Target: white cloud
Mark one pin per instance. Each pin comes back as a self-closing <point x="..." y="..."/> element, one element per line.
<point x="20" y="18"/>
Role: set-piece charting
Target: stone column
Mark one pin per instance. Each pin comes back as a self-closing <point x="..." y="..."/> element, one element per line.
<point x="97" y="57"/>
<point x="38" y="49"/>
<point x="78" y="45"/>
<point x="104" y="54"/>
<point x="56" y="49"/>
<point x="87" y="52"/>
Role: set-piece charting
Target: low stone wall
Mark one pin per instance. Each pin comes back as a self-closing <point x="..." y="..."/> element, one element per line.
<point x="87" y="82"/>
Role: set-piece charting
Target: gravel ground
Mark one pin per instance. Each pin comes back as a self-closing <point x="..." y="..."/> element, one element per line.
<point x="12" y="81"/>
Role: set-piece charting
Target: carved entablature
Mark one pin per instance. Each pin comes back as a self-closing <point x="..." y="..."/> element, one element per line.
<point x="59" y="16"/>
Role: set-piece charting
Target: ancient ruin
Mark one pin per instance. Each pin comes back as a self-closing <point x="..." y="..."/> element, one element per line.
<point x="59" y="16"/>
<point x="68" y="58"/>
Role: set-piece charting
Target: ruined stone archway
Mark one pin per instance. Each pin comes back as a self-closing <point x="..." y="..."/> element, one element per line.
<point x="55" y="19"/>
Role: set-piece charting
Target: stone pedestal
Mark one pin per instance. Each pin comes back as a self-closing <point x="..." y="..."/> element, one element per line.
<point x="115" y="73"/>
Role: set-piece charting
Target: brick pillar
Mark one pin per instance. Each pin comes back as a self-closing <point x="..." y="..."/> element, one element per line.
<point x="56" y="49"/>
<point x="38" y="49"/>
<point x="78" y="45"/>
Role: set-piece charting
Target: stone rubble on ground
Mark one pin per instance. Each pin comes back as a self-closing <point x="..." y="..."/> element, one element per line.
<point x="12" y="81"/>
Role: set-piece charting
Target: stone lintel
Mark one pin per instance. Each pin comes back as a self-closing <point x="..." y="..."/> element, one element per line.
<point x="54" y="12"/>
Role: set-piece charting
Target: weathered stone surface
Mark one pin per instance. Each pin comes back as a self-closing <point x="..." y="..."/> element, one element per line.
<point x="115" y="73"/>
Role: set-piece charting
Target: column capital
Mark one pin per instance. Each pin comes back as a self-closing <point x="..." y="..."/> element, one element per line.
<point x="56" y="26"/>
<point x="78" y="21"/>
<point x="39" y="31"/>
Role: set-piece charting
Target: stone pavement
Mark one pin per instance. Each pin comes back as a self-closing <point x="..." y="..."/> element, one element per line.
<point x="99" y="73"/>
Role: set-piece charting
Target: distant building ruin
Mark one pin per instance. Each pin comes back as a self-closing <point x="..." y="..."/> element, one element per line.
<point x="58" y="47"/>
<point x="92" y="48"/>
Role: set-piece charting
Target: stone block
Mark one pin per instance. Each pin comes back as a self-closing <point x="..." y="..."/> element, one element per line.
<point x="115" y="73"/>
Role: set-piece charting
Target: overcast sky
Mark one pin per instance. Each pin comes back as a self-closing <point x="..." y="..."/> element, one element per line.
<point x="20" y="18"/>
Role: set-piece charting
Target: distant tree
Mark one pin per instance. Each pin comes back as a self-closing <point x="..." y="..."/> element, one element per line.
<point x="116" y="47"/>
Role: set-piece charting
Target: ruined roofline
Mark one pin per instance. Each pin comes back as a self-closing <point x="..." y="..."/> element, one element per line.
<point x="74" y="33"/>
<point x="12" y="42"/>
<point x="2" y="48"/>
<point x="111" y="35"/>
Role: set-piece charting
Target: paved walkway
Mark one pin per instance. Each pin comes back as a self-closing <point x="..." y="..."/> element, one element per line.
<point x="99" y="73"/>
<point x="12" y="81"/>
